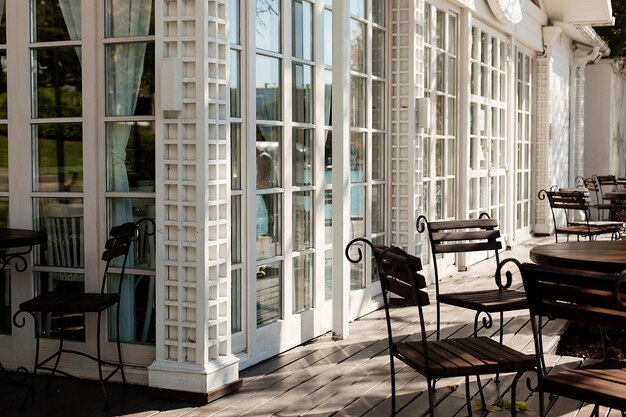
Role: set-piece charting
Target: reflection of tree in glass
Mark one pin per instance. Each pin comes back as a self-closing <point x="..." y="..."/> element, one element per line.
<point x="262" y="7"/>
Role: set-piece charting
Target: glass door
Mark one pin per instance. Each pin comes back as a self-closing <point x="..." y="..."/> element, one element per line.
<point x="488" y="144"/>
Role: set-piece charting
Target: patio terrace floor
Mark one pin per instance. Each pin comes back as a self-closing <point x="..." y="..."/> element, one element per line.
<point x="331" y="378"/>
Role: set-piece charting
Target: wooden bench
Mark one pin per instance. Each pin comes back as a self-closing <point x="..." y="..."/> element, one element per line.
<point x="585" y="297"/>
<point x="470" y="356"/>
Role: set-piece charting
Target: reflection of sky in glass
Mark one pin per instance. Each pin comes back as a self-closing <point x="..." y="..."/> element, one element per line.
<point x="267" y="73"/>
<point x="357" y="7"/>
<point x="268" y="25"/>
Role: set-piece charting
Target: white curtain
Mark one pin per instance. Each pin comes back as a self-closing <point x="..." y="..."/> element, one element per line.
<point x="123" y="73"/>
<point x="71" y="15"/>
<point x="126" y="18"/>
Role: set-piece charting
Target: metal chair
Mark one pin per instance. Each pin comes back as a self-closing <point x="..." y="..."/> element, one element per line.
<point x="470" y="356"/>
<point x="464" y="236"/>
<point x="64" y="304"/>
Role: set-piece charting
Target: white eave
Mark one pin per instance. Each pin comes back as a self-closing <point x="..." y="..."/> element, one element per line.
<point x="580" y="12"/>
<point x="576" y="18"/>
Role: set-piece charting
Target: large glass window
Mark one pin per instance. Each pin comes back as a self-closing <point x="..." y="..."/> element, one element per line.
<point x="488" y="145"/>
<point x="129" y="144"/>
<point x="523" y="135"/>
<point x="440" y="149"/>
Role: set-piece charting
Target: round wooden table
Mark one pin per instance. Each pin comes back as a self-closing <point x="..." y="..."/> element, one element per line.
<point x="601" y="256"/>
<point x="18" y="238"/>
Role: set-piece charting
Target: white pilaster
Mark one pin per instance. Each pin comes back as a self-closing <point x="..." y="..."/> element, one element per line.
<point x="193" y="350"/>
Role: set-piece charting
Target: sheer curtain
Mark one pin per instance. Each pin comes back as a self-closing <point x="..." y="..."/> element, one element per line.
<point x="124" y="68"/>
<point x="71" y="15"/>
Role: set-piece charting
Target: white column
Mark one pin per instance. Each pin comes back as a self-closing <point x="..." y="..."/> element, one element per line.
<point x="193" y="205"/>
<point x="341" y="167"/>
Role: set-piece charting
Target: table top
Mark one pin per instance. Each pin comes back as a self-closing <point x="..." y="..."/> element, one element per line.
<point x="17" y="238"/>
<point x="602" y="256"/>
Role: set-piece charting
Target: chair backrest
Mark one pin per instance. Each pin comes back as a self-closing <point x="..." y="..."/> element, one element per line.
<point x="571" y="201"/>
<point x="399" y="278"/>
<point x="606" y="183"/>
<point x="64" y="224"/>
<point x="118" y="245"/>
<point x="460" y="236"/>
<point x="582" y="296"/>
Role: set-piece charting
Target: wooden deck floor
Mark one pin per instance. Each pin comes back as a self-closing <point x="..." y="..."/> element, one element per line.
<point x="326" y="378"/>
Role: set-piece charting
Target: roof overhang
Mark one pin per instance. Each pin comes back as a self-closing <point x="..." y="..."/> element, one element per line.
<point x="584" y="35"/>
<point x="580" y="12"/>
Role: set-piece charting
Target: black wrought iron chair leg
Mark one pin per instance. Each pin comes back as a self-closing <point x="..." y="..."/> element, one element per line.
<point x="434" y="385"/>
<point x="497" y="377"/>
<point x="58" y="354"/>
<point x="30" y="389"/>
<point x="431" y="399"/>
<point x="98" y="351"/>
<point x="438" y="321"/>
<point x="513" y="394"/>
<point x="393" y="386"/>
<point x="119" y="345"/>
<point x="467" y="396"/>
<point x="480" y="392"/>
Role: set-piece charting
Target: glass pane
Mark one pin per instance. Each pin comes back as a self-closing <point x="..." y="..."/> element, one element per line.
<point x="57" y="82"/>
<point x="302" y="220"/>
<point x="4" y="104"/>
<point x="357" y="211"/>
<point x="328" y="97"/>
<point x="328" y="275"/>
<point x="268" y="88"/>
<point x="125" y="18"/>
<point x="63" y="222"/>
<point x="58" y="157"/>
<point x="4" y="162"/>
<point x="328" y="158"/>
<point x="3" y="23"/>
<point x="328" y="37"/>
<point x="129" y="79"/>
<point x="236" y="305"/>
<point x="4" y="212"/>
<point x="378" y="156"/>
<point x="235" y="157"/>
<point x="440" y="31"/>
<point x="236" y="229"/>
<point x="302" y="156"/>
<point x="378" y="208"/>
<point x="439" y="157"/>
<point x="357" y="157"/>
<point x="130" y="156"/>
<point x="328" y="217"/>
<point x="268" y="157"/>
<point x="378" y="52"/>
<point x="378" y="105"/>
<point x="378" y="12"/>
<point x="302" y="98"/>
<point x="137" y="323"/>
<point x="357" y="7"/>
<point x="49" y="21"/>
<point x="268" y="293"/>
<point x="235" y="84"/>
<point x="5" y="301"/>
<point x="268" y="225"/>
<point x="268" y="25"/>
<point x="234" y="21"/>
<point x="302" y="30"/>
<point x="143" y="255"/>
<point x="357" y="270"/>
<point x="358" y="102"/>
<point x="452" y="34"/>
<point x="357" y="46"/>
<point x="303" y="289"/>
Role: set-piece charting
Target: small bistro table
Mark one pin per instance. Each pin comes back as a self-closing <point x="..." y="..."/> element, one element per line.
<point x="601" y="256"/>
<point x="24" y="240"/>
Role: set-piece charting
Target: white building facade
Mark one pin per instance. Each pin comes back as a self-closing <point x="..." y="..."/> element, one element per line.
<point x="262" y="136"/>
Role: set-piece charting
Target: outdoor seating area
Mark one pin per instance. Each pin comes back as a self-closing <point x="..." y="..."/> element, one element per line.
<point x="352" y="377"/>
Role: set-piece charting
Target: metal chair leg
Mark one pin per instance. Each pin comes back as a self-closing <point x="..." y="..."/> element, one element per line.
<point x="431" y="399"/>
<point x="467" y="396"/>
<point x="513" y="394"/>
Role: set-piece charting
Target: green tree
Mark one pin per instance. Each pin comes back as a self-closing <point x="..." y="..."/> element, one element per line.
<point x="615" y="36"/>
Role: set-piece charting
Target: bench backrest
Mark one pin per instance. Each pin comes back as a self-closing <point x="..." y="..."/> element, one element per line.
<point x="582" y="296"/>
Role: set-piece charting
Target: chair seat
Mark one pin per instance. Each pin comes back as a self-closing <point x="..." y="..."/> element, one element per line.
<point x="457" y="357"/>
<point x="596" y="385"/>
<point x="70" y="302"/>
<point x="489" y="301"/>
<point x="584" y="230"/>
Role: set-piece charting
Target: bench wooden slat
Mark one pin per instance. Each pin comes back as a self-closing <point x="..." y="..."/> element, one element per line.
<point x="462" y="224"/>
<point x="465" y="235"/>
<point x="466" y="247"/>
